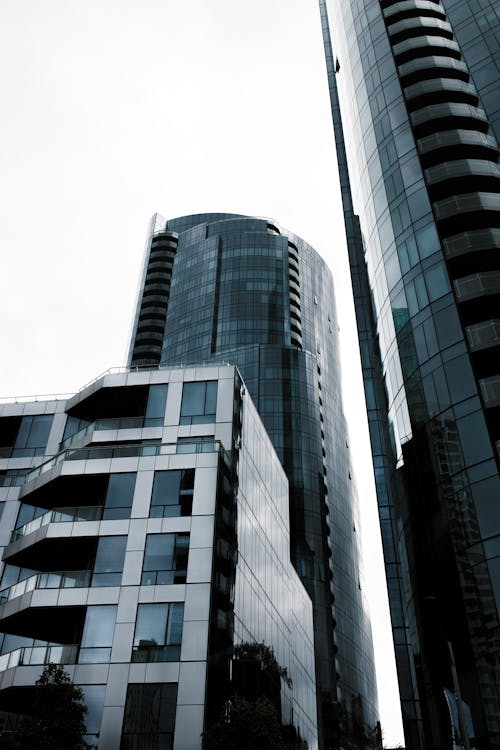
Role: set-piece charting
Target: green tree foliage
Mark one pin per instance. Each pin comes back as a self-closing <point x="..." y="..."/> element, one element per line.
<point x="57" y="715"/>
<point x="245" y="725"/>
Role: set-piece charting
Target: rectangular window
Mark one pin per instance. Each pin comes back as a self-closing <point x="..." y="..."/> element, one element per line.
<point x="199" y="402"/>
<point x="108" y="566"/>
<point x="155" y="410"/>
<point x="165" y="559"/>
<point x="32" y="436"/>
<point x="97" y="637"/>
<point x="119" y="496"/>
<point x="93" y="698"/>
<point x="149" y="718"/>
<point x="172" y="493"/>
<point x="158" y="632"/>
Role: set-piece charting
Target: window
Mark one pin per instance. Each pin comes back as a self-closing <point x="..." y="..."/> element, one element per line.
<point x="32" y="436"/>
<point x="199" y="402"/>
<point x="158" y="632"/>
<point x="93" y="698"/>
<point x="172" y="493"/>
<point x="109" y="559"/>
<point x="149" y="719"/>
<point x="119" y="496"/>
<point x="165" y="559"/>
<point x="155" y="410"/>
<point x="97" y="637"/>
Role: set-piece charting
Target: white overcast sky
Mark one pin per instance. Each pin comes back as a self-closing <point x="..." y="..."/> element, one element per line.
<point x="111" y="110"/>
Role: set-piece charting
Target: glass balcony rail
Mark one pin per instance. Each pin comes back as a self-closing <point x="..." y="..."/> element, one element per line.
<point x="59" y="515"/>
<point x="53" y="580"/>
<point x="123" y="451"/>
<point x="79" y="435"/>
<point x="478" y="284"/>
<point x="490" y="388"/>
<point x="38" y="655"/>
<point x="111" y="423"/>
<point x="483" y="335"/>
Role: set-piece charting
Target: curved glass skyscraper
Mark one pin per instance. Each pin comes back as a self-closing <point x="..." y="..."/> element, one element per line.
<point x="417" y="86"/>
<point x="223" y="287"/>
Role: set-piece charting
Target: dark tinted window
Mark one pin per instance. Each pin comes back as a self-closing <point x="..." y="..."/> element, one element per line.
<point x="149" y="719"/>
<point x="158" y="632"/>
<point x="109" y="559"/>
<point x="97" y="637"/>
<point x="32" y="436"/>
<point x="165" y="559"/>
<point x="157" y="400"/>
<point x="199" y="402"/>
<point x="172" y="493"/>
<point x="119" y="496"/>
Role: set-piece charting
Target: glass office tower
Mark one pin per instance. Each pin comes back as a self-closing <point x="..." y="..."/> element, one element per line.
<point x="221" y="287"/>
<point x="416" y="85"/>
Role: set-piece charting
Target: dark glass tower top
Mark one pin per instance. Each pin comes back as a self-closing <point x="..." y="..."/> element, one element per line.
<point x="224" y="287"/>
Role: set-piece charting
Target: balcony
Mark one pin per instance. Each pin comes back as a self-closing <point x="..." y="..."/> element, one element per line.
<point x="39" y="656"/>
<point x="432" y="66"/>
<point x="484" y="335"/>
<point x="490" y="389"/>
<point x="53" y="580"/>
<point x="413" y="8"/>
<point x="59" y="515"/>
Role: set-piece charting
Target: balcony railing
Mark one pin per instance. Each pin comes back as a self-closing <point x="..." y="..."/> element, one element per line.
<point x="59" y="515"/>
<point x="38" y="655"/>
<point x="194" y="445"/>
<point x="54" y="580"/>
<point x="112" y="423"/>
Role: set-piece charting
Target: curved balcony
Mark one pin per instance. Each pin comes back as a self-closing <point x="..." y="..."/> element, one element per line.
<point x="432" y="66"/>
<point x="151" y="309"/>
<point x="147" y="325"/>
<point x="476" y="286"/>
<point x="475" y="241"/>
<point x="162" y="285"/>
<point x="422" y="46"/>
<point x="490" y="390"/>
<point x="150" y="353"/>
<point x="484" y="335"/>
<point x="154" y="297"/>
<point x="462" y="176"/>
<point x="160" y="267"/>
<point x="450" y="144"/>
<point x="149" y="338"/>
<point x="410" y="28"/>
<point x="439" y="90"/>
<point x="161" y="252"/>
<point x="468" y="211"/>
<point x="411" y="8"/>
<point x="448" y="116"/>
